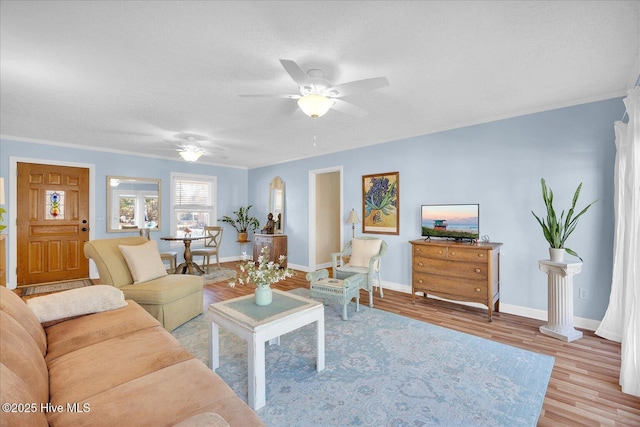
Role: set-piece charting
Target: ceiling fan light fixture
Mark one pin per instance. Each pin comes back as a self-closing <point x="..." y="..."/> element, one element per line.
<point x="191" y="153"/>
<point x="315" y="105"/>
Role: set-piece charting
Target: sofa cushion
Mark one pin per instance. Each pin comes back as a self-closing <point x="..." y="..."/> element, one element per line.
<point x="75" y="376"/>
<point x="112" y="267"/>
<point x="162" y="398"/>
<point x="163" y="290"/>
<point x="12" y="305"/>
<point x="207" y="419"/>
<point x="85" y="331"/>
<point x="362" y="250"/>
<point x="20" y="354"/>
<point x="14" y="389"/>
<point x="144" y="261"/>
<point x="76" y="302"/>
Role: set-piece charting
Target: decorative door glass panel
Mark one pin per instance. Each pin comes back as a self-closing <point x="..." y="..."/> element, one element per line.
<point x="54" y="204"/>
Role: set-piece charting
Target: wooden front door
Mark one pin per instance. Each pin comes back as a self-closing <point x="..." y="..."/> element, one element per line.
<point x="52" y="224"/>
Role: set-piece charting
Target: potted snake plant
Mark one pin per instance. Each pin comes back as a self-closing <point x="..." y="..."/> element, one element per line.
<point x="557" y="231"/>
<point x="242" y="222"/>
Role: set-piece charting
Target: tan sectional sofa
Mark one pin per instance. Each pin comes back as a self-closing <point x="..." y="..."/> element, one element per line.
<point x="172" y="299"/>
<point x="112" y="368"/>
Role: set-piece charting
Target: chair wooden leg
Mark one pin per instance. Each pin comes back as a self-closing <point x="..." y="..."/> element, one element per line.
<point x="380" y="286"/>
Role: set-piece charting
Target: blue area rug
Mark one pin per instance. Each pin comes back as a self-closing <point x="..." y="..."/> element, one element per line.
<point x="385" y="370"/>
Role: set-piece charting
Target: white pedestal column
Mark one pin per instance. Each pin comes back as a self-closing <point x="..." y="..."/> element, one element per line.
<point x="560" y="315"/>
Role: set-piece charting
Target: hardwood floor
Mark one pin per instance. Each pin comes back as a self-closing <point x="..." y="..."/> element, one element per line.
<point x="583" y="390"/>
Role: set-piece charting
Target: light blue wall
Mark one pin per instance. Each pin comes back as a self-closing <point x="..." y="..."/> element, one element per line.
<point x="499" y="166"/>
<point x="232" y="182"/>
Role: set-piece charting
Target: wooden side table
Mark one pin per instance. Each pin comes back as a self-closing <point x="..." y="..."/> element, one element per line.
<point x="560" y="311"/>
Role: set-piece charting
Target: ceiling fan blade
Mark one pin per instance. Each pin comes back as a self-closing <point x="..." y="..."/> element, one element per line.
<point x="297" y="74"/>
<point x="267" y="95"/>
<point x="348" y="108"/>
<point x="358" y="86"/>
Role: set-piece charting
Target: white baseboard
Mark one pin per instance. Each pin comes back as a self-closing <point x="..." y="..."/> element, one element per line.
<point x="578" y="322"/>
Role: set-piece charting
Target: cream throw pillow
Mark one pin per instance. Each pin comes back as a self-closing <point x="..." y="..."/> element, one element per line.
<point x="144" y="261"/>
<point x="362" y="250"/>
<point x="76" y="302"/>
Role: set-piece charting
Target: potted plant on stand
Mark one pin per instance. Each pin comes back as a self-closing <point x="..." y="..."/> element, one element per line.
<point x="557" y="231"/>
<point x="242" y="222"/>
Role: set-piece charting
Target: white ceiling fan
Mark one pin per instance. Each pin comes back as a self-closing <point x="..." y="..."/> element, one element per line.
<point x="317" y="95"/>
<point x="192" y="147"/>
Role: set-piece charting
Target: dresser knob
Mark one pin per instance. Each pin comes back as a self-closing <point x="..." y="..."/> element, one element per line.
<point x="477" y="270"/>
<point x="417" y="249"/>
<point x="481" y="255"/>
<point x="420" y="281"/>
<point x="478" y="289"/>
<point x="453" y="253"/>
<point x="440" y="252"/>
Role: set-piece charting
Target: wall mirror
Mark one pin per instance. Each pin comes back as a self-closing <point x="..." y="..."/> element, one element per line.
<point x="132" y="203"/>
<point x="276" y="204"/>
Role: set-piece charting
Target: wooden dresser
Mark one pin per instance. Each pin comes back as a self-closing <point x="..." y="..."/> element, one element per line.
<point x="457" y="271"/>
<point x="277" y="244"/>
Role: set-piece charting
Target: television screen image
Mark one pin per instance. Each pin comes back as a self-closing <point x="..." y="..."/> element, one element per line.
<point x="460" y="222"/>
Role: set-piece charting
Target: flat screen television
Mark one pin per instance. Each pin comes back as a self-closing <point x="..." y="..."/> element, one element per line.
<point x="459" y="222"/>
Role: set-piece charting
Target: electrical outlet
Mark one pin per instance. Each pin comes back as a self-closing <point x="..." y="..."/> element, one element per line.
<point x="584" y="293"/>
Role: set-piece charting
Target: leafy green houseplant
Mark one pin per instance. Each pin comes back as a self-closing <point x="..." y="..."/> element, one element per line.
<point x="556" y="231"/>
<point x="242" y="222"/>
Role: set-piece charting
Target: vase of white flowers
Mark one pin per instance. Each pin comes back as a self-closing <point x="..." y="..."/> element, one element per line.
<point x="263" y="274"/>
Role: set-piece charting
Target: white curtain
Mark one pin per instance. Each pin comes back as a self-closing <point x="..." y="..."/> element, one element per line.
<point x="621" y="322"/>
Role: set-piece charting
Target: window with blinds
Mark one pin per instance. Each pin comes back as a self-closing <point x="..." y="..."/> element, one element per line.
<point x="193" y="198"/>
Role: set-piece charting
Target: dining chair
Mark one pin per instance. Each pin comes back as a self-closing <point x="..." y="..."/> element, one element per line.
<point x="211" y="246"/>
<point x="171" y="256"/>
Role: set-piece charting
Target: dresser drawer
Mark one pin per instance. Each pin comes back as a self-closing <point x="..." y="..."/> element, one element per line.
<point x="449" y="287"/>
<point x="466" y="254"/>
<point x="430" y="251"/>
<point x="443" y="267"/>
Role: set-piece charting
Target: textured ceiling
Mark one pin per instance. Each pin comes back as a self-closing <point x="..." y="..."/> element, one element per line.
<point x="137" y="76"/>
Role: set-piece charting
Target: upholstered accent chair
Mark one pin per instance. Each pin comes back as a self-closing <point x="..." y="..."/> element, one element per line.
<point x="365" y="257"/>
<point x="211" y="246"/>
<point x="133" y="265"/>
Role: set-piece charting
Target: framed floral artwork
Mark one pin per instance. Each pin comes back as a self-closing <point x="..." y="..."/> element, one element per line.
<point x="381" y="203"/>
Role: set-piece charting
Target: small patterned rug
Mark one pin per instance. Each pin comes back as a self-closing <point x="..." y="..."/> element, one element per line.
<point x="218" y="274"/>
<point x="383" y="369"/>
<point x="56" y="287"/>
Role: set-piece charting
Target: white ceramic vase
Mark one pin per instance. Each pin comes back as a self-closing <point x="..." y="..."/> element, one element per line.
<point x="556" y="254"/>
<point x="263" y="295"/>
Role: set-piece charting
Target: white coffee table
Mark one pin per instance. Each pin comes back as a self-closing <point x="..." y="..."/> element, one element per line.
<point x="257" y="325"/>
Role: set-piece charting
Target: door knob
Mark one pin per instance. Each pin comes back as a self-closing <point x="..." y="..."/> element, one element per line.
<point x="84" y="228"/>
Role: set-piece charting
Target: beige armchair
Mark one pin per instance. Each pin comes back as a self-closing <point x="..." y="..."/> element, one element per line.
<point x="365" y="258"/>
<point x="211" y="246"/>
<point x="173" y="299"/>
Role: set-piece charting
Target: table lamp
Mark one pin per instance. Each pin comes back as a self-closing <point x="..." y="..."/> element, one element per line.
<point x="353" y="220"/>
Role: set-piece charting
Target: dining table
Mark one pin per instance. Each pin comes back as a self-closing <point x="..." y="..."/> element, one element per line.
<point x="188" y="264"/>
